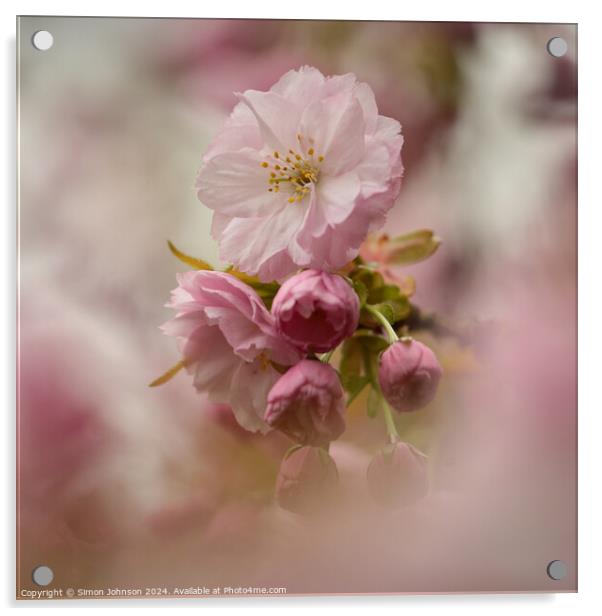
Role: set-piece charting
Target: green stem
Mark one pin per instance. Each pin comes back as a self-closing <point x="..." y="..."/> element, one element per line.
<point x="386" y="409"/>
<point x="391" y="428"/>
<point x="391" y="334"/>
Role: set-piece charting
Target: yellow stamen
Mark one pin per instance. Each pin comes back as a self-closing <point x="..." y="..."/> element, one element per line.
<point x="299" y="174"/>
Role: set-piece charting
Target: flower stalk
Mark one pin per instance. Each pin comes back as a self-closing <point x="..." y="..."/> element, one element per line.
<point x="391" y="334"/>
<point x="389" y="422"/>
<point x="386" y="409"/>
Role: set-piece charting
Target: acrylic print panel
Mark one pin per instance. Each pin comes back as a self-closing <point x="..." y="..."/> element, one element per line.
<point x="364" y="377"/>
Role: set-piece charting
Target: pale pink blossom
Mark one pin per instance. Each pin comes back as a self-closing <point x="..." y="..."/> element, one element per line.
<point x="228" y="342"/>
<point x="300" y="174"/>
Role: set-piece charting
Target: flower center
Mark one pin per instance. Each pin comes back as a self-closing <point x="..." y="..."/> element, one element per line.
<point x="296" y="171"/>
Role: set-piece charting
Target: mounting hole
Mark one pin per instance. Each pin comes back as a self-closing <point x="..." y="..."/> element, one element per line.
<point x="557" y="570"/>
<point x="557" y="47"/>
<point x="42" y="575"/>
<point x="42" y="40"/>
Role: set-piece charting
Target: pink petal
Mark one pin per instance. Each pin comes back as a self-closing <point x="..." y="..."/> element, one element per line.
<point x="337" y="125"/>
<point x="337" y="84"/>
<point x="251" y="384"/>
<point x="235" y="184"/>
<point x="240" y="131"/>
<point x="314" y="224"/>
<point x="183" y="325"/>
<point x="387" y="128"/>
<point x="365" y="96"/>
<point x="374" y="170"/>
<point x="225" y="298"/>
<point x="213" y="362"/>
<point x="302" y="87"/>
<point x="336" y="196"/>
<point x="251" y="242"/>
<point x="331" y="252"/>
<point x="218" y="223"/>
<point x="277" y="117"/>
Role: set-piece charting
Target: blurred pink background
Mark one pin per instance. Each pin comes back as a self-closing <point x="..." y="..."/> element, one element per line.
<point x="122" y="485"/>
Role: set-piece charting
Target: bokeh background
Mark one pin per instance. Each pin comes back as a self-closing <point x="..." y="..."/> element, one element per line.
<point x="125" y="486"/>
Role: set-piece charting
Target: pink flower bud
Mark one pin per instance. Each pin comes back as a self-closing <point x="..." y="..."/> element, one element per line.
<point x="397" y="475"/>
<point x="409" y="374"/>
<point x="307" y="404"/>
<point x="315" y="311"/>
<point x="307" y="479"/>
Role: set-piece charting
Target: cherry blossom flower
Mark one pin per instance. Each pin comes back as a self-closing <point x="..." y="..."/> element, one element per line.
<point x="228" y="342"/>
<point x="300" y="174"/>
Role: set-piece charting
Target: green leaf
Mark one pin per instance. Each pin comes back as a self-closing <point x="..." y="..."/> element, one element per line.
<point x="361" y="290"/>
<point x="393" y="310"/>
<point x="411" y="247"/>
<point x="370" y="278"/>
<point x="374" y="402"/>
<point x="359" y="360"/>
<point x="373" y="344"/>
<point x="363" y="342"/>
<point x="351" y="361"/>
<point x="355" y="386"/>
<point x="384" y="293"/>
<point x="193" y="262"/>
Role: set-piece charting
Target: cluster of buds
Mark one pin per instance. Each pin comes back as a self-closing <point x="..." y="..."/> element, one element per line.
<point x="279" y="342"/>
<point x="273" y="356"/>
<point x="316" y="312"/>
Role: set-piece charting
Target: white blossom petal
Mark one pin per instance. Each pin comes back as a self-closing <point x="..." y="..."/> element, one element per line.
<point x="277" y="117"/>
<point x="235" y="184"/>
